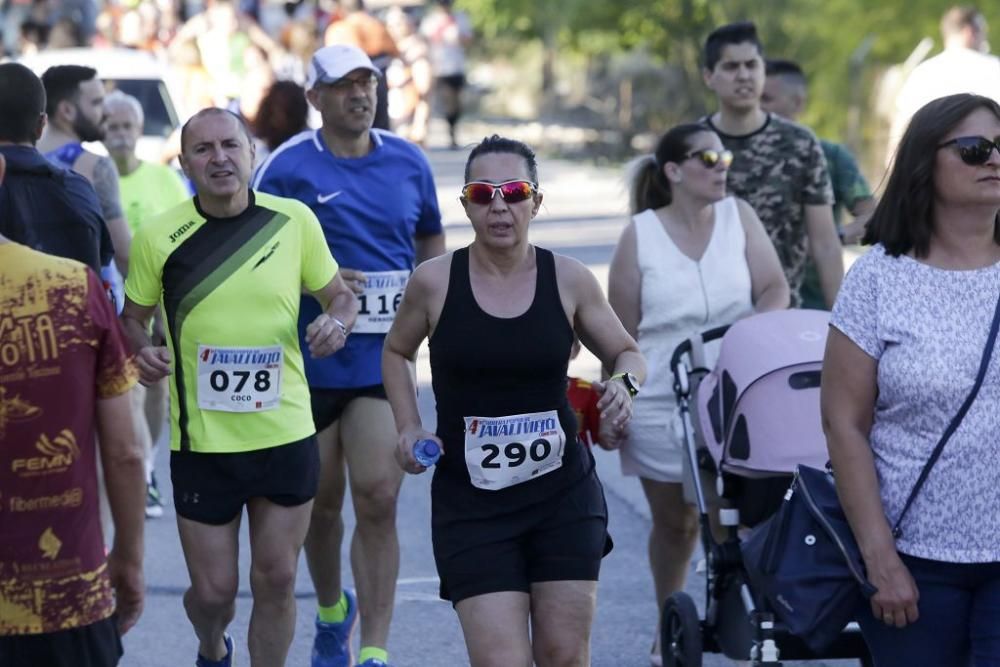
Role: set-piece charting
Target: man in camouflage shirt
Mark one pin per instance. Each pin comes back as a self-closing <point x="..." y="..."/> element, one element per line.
<point x="785" y="93"/>
<point x="779" y="167"/>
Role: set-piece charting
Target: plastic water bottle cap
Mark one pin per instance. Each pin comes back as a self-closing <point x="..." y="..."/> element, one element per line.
<point x="426" y="452"/>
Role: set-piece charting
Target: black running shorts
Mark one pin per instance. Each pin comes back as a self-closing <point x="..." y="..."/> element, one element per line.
<point x="563" y="539"/>
<point x="94" y="645"/>
<point x="213" y="488"/>
<point x="329" y="404"/>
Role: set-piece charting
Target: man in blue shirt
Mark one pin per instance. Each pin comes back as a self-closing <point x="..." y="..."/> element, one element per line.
<point x="374" y="194"/>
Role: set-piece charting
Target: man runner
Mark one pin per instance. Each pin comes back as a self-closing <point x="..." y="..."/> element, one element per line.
<point x="75" y="108"/>
<point x="374" y="194"/>
<point x="228" y="267"/>
<point x="64" y="374"/>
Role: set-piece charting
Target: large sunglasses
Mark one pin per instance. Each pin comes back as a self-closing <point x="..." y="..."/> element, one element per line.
<point x="711" y="157"/>
<point x="974" y="151"/>
<point x="480" y="192"/>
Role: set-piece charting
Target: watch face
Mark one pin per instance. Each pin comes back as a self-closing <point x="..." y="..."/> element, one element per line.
<point x="631" y="383"/>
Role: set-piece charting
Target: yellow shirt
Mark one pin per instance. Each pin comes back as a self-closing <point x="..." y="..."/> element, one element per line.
<point x="150" y="189"/>
<point x="230" y="290"/>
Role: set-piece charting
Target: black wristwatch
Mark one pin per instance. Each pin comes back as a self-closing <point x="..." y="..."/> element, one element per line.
<point x="630" y="382"/>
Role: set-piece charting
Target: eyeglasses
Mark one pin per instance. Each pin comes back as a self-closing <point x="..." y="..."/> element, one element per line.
<point x="480" y="192"/>
<point x="711" y="157"/>
<point x="974" y="151"/>
<point x="347" y="82"/>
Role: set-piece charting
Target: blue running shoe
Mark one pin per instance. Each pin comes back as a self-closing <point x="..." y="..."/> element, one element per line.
<point x="374" y="662"/>
<point x="225" y="662"/>
<point x="332" y="646"/>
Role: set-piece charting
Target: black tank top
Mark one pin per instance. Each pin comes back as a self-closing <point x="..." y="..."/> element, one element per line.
<point x="489" y="366"/>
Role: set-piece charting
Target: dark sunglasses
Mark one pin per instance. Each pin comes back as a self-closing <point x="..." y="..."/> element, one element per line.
<point x="710" y="157"/>
<point x="479" y="192"/>
<point x="974" y="151"/>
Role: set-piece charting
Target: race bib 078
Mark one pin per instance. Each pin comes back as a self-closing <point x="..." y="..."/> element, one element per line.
<point x="378" y="305"/>
<point x="239" y="379"/>
<point x="504" y="451"/>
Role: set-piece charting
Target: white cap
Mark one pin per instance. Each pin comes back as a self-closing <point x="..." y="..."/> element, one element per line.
<point x="332" y="63"/>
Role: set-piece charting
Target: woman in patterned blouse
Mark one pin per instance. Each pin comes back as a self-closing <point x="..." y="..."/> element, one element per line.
<point x="907" y="336"/>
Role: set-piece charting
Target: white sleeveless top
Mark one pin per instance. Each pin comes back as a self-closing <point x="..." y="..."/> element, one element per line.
<point x="679" y="297"/>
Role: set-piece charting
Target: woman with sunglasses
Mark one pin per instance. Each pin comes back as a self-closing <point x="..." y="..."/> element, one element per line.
<point x="907" y="339"/>
<point x="690" y="260"/>
<point x="519" y="522"/>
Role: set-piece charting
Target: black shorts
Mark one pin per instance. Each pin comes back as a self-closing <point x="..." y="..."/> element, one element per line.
<point x="563" y="539"/>
<point x="213" y="488"/>
<point x="329" y="404"/>
<point x="94" y="645"/>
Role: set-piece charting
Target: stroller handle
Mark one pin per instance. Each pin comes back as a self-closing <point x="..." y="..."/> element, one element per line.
<point x="685" y="347"/>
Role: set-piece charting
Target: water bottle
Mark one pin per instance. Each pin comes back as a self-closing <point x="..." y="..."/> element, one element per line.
<point x="426" y="452"/>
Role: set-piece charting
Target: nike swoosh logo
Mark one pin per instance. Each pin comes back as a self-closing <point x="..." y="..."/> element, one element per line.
<point x="322" y="199"/>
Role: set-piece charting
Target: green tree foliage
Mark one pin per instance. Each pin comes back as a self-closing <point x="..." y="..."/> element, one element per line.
<point x="822" y="35"/>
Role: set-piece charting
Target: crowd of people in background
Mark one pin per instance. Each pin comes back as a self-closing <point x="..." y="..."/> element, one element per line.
<point x="302" y="131"/>
<point x="233" y="54"/>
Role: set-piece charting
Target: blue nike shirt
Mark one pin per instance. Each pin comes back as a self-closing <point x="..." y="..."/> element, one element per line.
<point x="370" y="208"/>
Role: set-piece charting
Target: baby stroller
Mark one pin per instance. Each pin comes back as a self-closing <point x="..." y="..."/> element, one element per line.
<point x="755" y="417"/>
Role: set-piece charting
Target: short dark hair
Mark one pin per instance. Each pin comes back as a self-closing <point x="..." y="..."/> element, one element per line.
<point x="212" y="111"/>
<point x="498" y="144"/>
<point x="22" y="102"/>
<point x="648" y="186"/>
<point x="904" y="217"/>
<point x="786" y="68"/>
<point x="62" y="83"/>
<point x="733" y="33"/>
<point x="958" y="18"/>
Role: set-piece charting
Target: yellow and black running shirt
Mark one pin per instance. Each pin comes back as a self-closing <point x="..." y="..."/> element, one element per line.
<point x="230" y="290"/>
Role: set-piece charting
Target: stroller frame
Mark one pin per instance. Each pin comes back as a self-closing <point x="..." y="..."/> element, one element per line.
<point x="684" y="636"/>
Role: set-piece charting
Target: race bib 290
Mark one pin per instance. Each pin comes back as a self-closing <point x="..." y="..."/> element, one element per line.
<point x="239" y="379"/>
<point x="504" y="451"/>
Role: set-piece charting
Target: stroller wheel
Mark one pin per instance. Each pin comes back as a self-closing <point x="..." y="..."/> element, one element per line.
<point x="680" y="632"/>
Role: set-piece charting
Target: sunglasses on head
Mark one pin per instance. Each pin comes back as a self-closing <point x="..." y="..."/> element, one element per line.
<point x="711" y="157"/>
<point x="974" y="150"/>
<point x="480" y="192"/>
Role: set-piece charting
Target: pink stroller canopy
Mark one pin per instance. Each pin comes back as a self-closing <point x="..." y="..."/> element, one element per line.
<point x="758" y="410"/>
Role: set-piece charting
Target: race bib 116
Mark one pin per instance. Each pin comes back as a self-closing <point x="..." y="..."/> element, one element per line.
<point x="378" y="305"/>
<point x="239" y="379"/>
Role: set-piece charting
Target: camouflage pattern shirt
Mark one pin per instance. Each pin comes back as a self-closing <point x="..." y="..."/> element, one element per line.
<point x="849" y="185"/>
<point x="849" y="188"/>
<point x="779" y="170"/>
